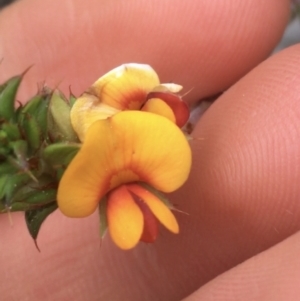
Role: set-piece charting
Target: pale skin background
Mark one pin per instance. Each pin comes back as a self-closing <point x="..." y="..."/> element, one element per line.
<point x="240" y="241"/>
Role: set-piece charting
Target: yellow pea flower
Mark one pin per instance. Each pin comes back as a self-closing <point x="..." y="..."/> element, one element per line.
<point x="118" y="153"/>
<point x="128" y="87"/>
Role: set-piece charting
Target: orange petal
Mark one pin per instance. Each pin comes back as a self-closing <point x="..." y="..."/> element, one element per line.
<point x="130" y="146"/>
<point x="179" y="107"/>
<point x="158" y="208"/>
<point x="125" y="219"/>
<point x="126" y="86"/>
<point x="158" y="106"/>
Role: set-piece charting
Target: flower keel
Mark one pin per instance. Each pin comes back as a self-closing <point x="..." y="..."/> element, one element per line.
<point x="133" y="214"/>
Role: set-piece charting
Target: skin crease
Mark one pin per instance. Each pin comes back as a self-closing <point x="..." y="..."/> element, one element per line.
<point x="242" y="195"/>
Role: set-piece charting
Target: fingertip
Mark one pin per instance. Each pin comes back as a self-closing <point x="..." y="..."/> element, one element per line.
<point x="246" y="163"/>
<point x="271" y="275"/>
<point x="205" y="46"/>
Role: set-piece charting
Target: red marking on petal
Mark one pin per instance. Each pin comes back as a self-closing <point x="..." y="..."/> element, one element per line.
<point x="179" y="107"/>
<point x="150" y="229"/>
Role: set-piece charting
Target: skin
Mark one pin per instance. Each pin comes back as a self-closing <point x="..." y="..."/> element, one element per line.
<point x="240" y="240"/>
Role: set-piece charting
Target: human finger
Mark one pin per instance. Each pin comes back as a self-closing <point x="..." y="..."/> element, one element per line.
<point x="205" y="46"/>
<point x="272" y="275"/>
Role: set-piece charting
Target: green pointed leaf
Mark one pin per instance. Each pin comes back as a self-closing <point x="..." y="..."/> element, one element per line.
<point x="41" y="117"/>
<point x="14" y="182"/>
<point x="7" y="98"/>
<point x="72" y="100"/>
<point x="60" y="154"/>
<point x="32" y="106"/>
<point x="7" y="168"/>
<point x="103" y="216"/>
<point x="19" y="148"/>
<point x="9" y="186"/>
<point x="4" y="152"/>
<point x="38" y="197"/>
<point x="32" y="133"/>
<point x="3" y="137"/>
<point x="19" y="160"/>
<point x="2" y="86"/>
<point x="3" y="182"/>
<point x="59" y="173"/>
<point x="59" y="121"/>
<point x="37" y="107"/>
<point x="35" y="218"/>
<point x="12" y="131"/>
<point x="18" y="206"/>
<point x="43" y="191"/>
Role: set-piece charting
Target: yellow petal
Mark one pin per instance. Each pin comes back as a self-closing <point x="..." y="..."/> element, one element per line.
<point x="125" y="219"/>
<point x="86" y="110"/>
<point x="126" y="86"/>
<point x="158" y="208"/>
<point x="130" y="146"/>
<point x="158" y="106"/>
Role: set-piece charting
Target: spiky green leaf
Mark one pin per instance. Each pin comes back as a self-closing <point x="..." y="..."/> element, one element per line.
<point x="12" y="131"/>
<point x="37" y="107"/>
<point x="7" y="98"/>
<point x="32" y="133"/>
<point x="59" y="121"/>
<point x="60" y="154"/>
<point x="35" y="218"/>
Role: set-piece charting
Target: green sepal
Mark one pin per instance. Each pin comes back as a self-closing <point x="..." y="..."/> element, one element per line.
<point x="59" y="173"/>
<point x="72" y="100"/>
<point x="6" y="169"/>
<point x="38" y="197"/>
<point x="18" y="206"/>
<point x="3" y="138"/>
<point x="32" y="133"/>
<point x="12" y="131"/>
<point x="103" y="217"/>
<point x="7" y="98"/>
<point x="19" y="148"/>
<point x="59" y="121"/>
<point x="31" y="107"/>
<point x="19" y="160"/>
<point x="4" y="152"/>
<point x="35" y="218"/>
<point x="3" y="182"/>
<point x="9" y="186"/>
<point x="157" y="193"/>
<point x="14" y="182"/>
<point x="38" y="108"/>
<point x="46" y="185"/>
<point x="60" y="154"/>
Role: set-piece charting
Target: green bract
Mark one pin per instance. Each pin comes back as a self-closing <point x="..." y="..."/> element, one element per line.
<point x="37" y="142"/>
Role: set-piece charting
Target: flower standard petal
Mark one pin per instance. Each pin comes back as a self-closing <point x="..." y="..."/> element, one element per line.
<point x="130" y="146"/>
<point x="157" y="207"/>
<point x="126" y="86"/>
<point x="125" y="219"/>
<point x="123" y="88"/>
